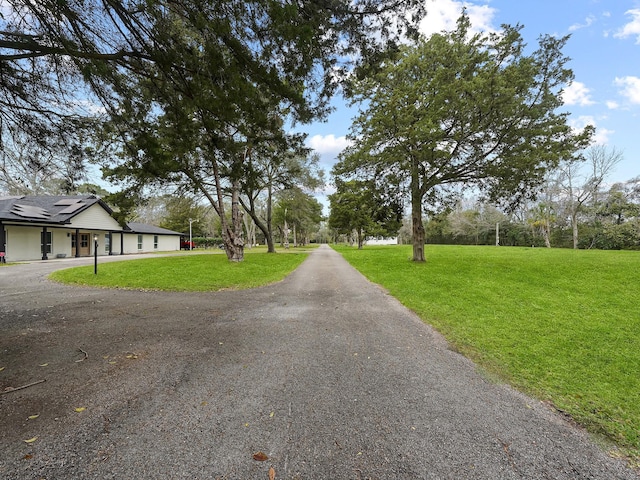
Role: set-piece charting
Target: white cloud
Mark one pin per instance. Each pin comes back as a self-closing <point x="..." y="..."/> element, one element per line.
<point x="612" y="105"/>
<point x="587" y="23"/>
<point x="631" y="29"/>
<point x="443" y="14"/>
<point x="630" y="88"/>
<point x="89" y="107"/>
<point x="602" y="134"/>
<point x="577" y="94"/>
<point x="328" y="145"/>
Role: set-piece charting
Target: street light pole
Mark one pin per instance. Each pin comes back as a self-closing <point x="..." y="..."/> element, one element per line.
<point x="190" y="236"/>
<point x="95" y="253"/>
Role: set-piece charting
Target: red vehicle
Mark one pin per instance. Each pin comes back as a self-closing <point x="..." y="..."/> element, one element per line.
<point x="187" y="245"/>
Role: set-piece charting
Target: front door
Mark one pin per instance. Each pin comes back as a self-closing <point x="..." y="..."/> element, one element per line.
<point x="85" y="249"/>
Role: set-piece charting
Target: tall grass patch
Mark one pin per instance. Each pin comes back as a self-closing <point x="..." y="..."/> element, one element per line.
<point x="563" y="325"/>
<point x="186" y="273"/>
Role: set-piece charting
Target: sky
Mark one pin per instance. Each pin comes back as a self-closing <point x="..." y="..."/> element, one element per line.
<point x="605" y="57"/>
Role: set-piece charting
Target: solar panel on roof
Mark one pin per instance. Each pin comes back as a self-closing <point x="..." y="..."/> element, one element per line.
<point x="66" y="201"/>
<point x="72" y="208"/>
<point x="30" y="211"/>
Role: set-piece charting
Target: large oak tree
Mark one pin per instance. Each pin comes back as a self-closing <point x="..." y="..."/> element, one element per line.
<point x="463" y="110"/>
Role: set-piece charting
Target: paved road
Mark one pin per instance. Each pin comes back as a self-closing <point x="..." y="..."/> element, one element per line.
<point x="25" y="284"/>
<point x="324" y="373"/>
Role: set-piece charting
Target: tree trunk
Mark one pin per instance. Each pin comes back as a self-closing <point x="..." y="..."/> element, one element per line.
<point x="574" y="227"/>
<point x="232" y="234"/>
<point x="546" y="233"/>
<point x="269" y="234"/>
<point x="285" y="233"/>
<point x="265" y="229"/>
<point x="418" y="236"/>
<point x="360" y="239"/>
<point x="416" y="214"/>
<point x="271" y="248"/>
<point x="250" y="229"/>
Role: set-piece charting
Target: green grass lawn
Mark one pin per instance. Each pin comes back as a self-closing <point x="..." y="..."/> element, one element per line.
<point x="562" y="325"/>
<point x="190" y="272"/>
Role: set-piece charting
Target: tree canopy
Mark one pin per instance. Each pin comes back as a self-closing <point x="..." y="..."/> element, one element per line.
<point x="271" y="170"/>
<point x="462" y="110"/>
<point x="297" y="213"/>
<point x="361" y="207"/>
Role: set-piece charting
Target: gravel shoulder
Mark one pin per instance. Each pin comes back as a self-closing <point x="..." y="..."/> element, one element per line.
<point x="325" y="373"/>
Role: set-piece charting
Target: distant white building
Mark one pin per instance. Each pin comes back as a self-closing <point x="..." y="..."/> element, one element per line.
<point x="144" y="238"/>
<point x="381" y="241"/>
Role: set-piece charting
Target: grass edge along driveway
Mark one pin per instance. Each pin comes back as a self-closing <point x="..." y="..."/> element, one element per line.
<point x="561" y="325"/>
<point x="201" y="272"/>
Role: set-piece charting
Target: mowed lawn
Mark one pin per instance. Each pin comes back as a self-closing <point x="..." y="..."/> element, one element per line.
<point x="190" y="272"/>
<point x="562" y="325"/>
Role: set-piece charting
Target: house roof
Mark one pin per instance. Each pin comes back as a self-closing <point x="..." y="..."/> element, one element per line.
<point x="51" y="209"/>
<point x="60" y="209"/>
<point x="135" y="227"/>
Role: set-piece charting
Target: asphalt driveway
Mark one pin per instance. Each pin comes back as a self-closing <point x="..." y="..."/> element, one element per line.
<point x="324" y="374"/>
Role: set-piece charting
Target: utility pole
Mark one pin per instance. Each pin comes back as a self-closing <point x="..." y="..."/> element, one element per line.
<point x="190" y="236"/>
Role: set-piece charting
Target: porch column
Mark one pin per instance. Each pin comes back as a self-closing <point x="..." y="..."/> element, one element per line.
<point x="3" y="244"/>
<point x="43" y="243"/>
<point x="110" y="243"/>
<point x="77" y="243"/>
<point x="121" y="243"/>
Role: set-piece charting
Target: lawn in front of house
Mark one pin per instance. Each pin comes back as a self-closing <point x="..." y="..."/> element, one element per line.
<point x="562" y="325"/>
<point x="201" y="272"/>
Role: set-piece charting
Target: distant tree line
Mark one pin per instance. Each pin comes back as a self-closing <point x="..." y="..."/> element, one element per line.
<point x="610" y="220"/>
<point x="575" y="206"/>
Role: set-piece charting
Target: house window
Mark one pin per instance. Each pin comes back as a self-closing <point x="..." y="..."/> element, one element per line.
<point x="155" y="242"/>
<point x="45" y="242"/>
<point x="139" y="242"/>
<point x="107" y="242"/>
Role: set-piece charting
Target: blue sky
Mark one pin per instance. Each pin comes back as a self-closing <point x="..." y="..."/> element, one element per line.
<point x="605" y="57"/>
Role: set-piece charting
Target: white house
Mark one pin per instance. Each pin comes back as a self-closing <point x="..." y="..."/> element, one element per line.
<point x="44" y="227"/>
<point x="381" y="241"/>
<point x="143" y="238"/>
